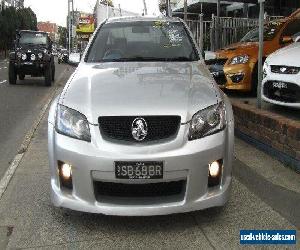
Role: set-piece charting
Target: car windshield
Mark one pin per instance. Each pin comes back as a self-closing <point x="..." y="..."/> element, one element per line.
<point x="142" y="41"/>
<point x="270" y="31"/>
<point x="33" y="38"/>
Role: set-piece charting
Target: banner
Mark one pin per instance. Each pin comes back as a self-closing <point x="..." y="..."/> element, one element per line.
<point x="86" y="24"/>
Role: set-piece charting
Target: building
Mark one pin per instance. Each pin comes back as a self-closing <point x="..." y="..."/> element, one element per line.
<point x="50" y="28"/>
<point x="101" y="12"/>
<point x="236" y="8"/>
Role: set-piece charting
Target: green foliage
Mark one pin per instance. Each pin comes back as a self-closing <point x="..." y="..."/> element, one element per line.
<point x="12" y="19"/>
<point x="62" y="31"/>
<point x="110" y="2"/>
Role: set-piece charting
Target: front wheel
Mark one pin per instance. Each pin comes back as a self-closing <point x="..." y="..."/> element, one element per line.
<point x="53" y="73"/>
<point x="21" y="77"/>
<point x="12" y="75"/>
<point x="48" y="76"/>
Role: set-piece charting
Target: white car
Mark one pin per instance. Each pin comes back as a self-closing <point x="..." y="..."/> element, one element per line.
<point x="281" y="83"/>
<point x="141" y="128"/>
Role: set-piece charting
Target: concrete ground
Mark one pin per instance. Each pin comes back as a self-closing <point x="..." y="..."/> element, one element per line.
<point x="265" y="195"/>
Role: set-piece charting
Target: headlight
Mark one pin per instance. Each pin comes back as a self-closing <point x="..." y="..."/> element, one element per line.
<point x="40" y="55"/>
<point x="32" y="57"/>
<point x="24" y="57"/>
<point x="240" y="59"/>
<point x="208" y="121"/>
<point x="71" y="123"/>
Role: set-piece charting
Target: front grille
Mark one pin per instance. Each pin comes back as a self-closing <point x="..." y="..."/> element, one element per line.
<point x="220" y="78"/>
<point x="219" y="61"/>
<point x="216" y="68"/>
<point x="291" y="94"/>
<point x="286" y="70"/>
<point x="120" y="127"/>
<point x="151" y="190"/>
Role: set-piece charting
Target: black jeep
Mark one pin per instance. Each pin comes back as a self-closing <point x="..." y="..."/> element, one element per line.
<point x="32" y="56"/>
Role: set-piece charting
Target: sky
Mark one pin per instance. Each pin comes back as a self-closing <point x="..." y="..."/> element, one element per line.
<point x="56" y="10"/>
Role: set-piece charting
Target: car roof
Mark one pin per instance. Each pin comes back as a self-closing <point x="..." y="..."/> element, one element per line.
<point x="143" y="18"/>
<point x="33" y="31"/>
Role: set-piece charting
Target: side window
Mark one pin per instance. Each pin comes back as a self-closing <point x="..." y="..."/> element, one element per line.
<point x="292" y="28"/>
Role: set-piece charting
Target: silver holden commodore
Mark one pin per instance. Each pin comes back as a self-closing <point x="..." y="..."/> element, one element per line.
<point x="141" y="128"/>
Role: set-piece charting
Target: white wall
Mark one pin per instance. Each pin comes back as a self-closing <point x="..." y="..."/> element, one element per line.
<point x="101" y="13"/>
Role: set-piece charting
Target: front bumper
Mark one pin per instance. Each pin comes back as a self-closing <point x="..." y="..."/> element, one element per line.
<point x="30" y="67"/>
<point x="287" y="98"/>
<point x="186" y="161"/>
<point x="235" y="77"/>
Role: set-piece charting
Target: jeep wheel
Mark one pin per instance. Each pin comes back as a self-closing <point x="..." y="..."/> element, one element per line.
<point x="53" y="73"/>
<point x="48" y="76"/>
<point x="21" y="77"/>
<point x="12" y="75"/>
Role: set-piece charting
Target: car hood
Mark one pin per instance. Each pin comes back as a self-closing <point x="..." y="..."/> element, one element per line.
<point x="140" y="89"/>
<point x="237" y="49"/>
<point x="287" y="56"/>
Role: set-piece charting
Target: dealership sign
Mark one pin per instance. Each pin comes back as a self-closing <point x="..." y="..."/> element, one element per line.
<point x="86" y="24"/>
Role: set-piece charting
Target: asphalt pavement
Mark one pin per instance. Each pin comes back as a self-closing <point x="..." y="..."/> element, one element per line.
<point x="19" y="107"/>
<point x="265" y="194"/>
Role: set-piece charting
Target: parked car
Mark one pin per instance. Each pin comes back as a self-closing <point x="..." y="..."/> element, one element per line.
<point x="235" y="66"/>
<point x="141" y="128"/>
<point x="63" y="56"/>
<point x="74" y="58"/>
<point x="32" y="55"/>
<point x="281" y="83"/>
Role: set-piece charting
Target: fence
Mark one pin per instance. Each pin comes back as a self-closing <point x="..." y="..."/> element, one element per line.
<point x="220" y="32"/>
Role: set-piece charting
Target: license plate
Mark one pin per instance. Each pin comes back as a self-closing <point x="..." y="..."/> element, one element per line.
<point x="280" y="85"/>
<point x="139" y="170"/>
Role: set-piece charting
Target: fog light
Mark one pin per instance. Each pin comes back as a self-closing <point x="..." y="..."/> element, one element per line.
<point x="215" y="173"/>
<point x="66" y="171"/>
<point x="236" y="78"/>
<point x="214" y="169"/>
<point x="65" y="175"/>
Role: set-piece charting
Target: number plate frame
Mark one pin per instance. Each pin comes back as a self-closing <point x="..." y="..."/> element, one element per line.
<point x="146" y="170"/>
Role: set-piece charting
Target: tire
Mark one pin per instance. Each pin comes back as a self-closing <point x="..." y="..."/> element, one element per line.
<point x="21" y="77"/>
<point x="12" y="75"/>
<point x="254" y="81"/>
<point x="53" y="73"/>
<point x="48" y="76"/>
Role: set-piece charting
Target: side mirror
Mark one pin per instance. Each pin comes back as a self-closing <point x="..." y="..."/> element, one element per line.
<point x="286" y="39"/>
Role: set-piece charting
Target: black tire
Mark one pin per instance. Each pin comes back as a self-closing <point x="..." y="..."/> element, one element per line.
<point x="53" y="73"/>
<point x="254" y="81"/>
<point x="12" y="75"/>
<point x="48" y="76"/>
<point x="21" y="77"/>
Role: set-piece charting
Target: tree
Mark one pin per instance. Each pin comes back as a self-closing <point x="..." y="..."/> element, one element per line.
<point x="62" y="31"/>
<point x="109" y="2"/>
<point x="12" y="19"/>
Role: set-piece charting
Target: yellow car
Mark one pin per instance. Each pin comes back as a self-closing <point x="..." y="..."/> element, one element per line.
<point x="235" y="66"/>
